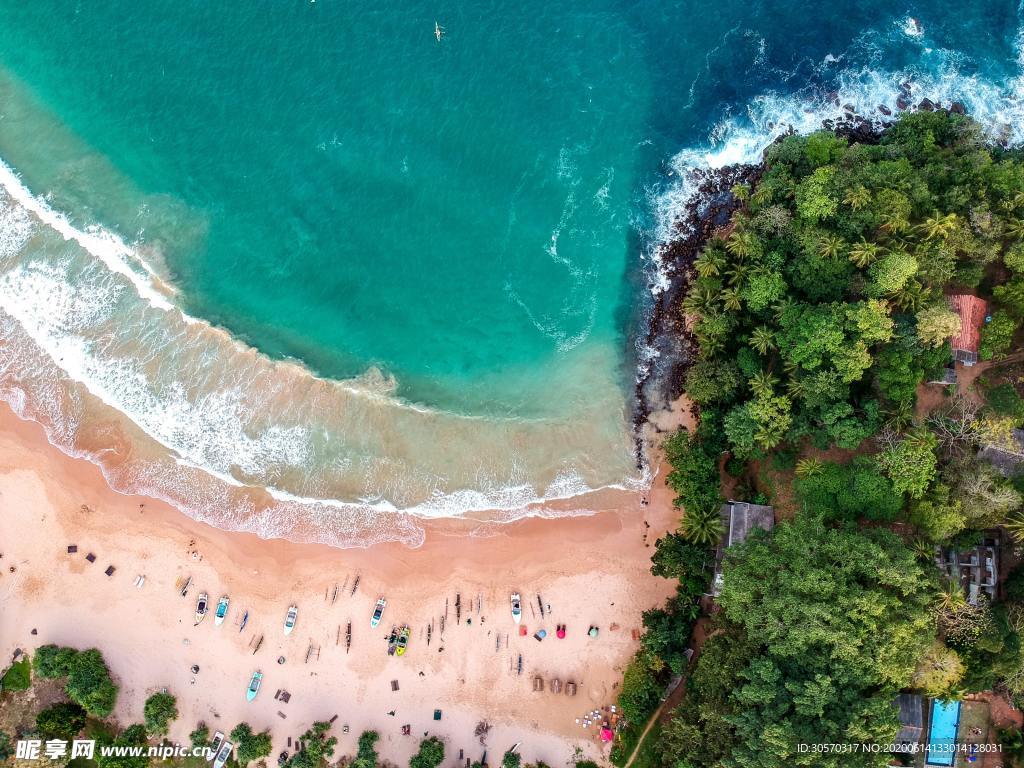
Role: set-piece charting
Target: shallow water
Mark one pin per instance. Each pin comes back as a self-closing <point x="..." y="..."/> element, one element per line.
<point x="303" y="269"/>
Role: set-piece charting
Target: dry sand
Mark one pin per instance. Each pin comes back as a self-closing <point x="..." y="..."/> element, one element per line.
<point x="589" y="570"/>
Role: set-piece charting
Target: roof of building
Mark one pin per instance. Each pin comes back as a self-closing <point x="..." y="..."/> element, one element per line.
<point x="911" y="712"/>
<point x="1006" y="458"/>
<point x="972" y="311"/>
<point x="741" y="517"/>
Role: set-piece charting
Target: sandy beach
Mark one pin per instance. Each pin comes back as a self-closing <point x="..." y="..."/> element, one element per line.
<point x="591" y="570"/>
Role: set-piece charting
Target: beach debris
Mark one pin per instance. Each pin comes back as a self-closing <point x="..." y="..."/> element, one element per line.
<point x="437" y="714"/>
<point x="182" y="585"/>
<point x="556" y="685"/>
<point x="523" y="631"/>
<point x="538" y="684"/>
<point x="560" y="631"/>
<point x="540" y="635"/>
<point x="72" y="548"/>
<point x="540" y="604"/>
<point x="282" y="715"/>
<point x="519" y="665"/>
<point x="481" y="731"/>
<point x="256" y="645"/>
<point x="355" y="585"/>
<point x="334" y="595"/>
<point x="140" y="581"/>
<point x="458" y="608"/>
<point x="245" y="620"/>
<point x="570" y="688"/>
<point x="430" y="630"/>
<point x="445" y="613"/>
<point x="348" y="637"/>
<point x="592" y="632"/>
<point x="394" y="685"/>
<point x="110" y="570"/>
<point x="91" y="557"/>
<point x="406" y="730"/>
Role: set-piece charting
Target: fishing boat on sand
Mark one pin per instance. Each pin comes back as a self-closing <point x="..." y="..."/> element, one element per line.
<point x="393" y="641"/>
<point x="517" y="608"/>
<point x="403" y="640"/>
<point x="223" y="754"/>
<point x="289" y="620"/>
<point x="254" y="685"/>
<point x="202" y="605"/>
<point x="222" y="610"/>
<point x="218" y="739"/>
<point x="378" y="611"/>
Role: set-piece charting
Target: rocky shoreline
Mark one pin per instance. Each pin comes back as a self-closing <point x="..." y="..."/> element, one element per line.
<point x="667" y="344"/>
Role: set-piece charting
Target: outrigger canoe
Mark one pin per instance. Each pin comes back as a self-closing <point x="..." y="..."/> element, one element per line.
<point x="403" y="640"/>
<point x="223" y="754"/>
<point x="218" y="739"/>
<point x="289" y="621"/>
<point x="222" y="610"/>
<point x="378" y="611"/>
<point x="517" y="608"/>
<point x="254" y="685"/>
<point x="393" y="641"/>
<point x="245" y="620"/>
<point x="202" y="605"/>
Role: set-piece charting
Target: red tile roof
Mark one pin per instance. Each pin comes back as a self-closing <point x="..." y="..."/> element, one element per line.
<point x="972" y="311"/>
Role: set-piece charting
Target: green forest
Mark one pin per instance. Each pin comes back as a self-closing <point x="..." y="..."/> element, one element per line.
<point x="819" y="315"/>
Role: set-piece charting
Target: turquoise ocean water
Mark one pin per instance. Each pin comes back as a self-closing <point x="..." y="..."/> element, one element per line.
<point x="312" y="272"/>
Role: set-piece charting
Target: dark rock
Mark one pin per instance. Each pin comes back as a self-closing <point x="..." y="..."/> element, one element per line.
<point x="927" y="105"/>
<point x="884" y="110"/>
<point x="848" y="107"/>
<point x="902" y="102"/>
<point x="957" y="108"/>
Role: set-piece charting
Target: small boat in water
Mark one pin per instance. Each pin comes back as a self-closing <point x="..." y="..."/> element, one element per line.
<point x="202" y="606"/>
<point x="393" y="641"/>
<point x="222" y="610"/>
<point x="289" y="620"/>
<point x="517" y="608"/>
<point x="378" y="611"/>
<point x="245" y="620"/>
<point x="403" y="640"/>
<point x="218" y="739"/>
<point x="438" y="31"/>
<point x="254" y="685"/>
<point x="222" y="756"/>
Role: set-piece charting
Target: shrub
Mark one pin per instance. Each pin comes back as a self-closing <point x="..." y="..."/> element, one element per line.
<point x="159" y="710"/>
<point x="18" y="677"/>
<point x="997" y="336"/>
<point x="61" y="721"/>
<point x="366" y="757"/>
<point x="251" y="746"/>
<point x="53" y="661"/>
<point x="89" y="683"/>
<point x="430" y="754"/>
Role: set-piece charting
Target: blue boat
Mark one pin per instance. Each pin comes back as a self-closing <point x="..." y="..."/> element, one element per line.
<point x="254" y="685"/>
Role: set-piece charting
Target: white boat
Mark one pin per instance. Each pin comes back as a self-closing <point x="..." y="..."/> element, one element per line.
<point x="223" y="754"/>
<point x="438" y="31"/>
<point x="517" y="608"/>
<point x="378" y="611"/>
<point x="289" y="621"/>
<point x="202" y="605"/>
<point x="222" y="610"/>
<point x="218" y="739"/>
<point x="254" y="685"/>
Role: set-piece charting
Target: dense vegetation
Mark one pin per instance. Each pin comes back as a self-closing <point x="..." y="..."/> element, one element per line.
<point x="88" y="680"/>
<point x="818" y="313"/>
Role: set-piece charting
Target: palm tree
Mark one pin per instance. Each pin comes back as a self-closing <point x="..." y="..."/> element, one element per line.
<point x="809" y="467"/>
<point x="951" y="596"/>
<point x="1014" y="525"/>
<point x="780" y="307"/>
<point x="769" y="435"/>
<point x="740" y="191"/>
<point x="731" y="300"/>
<point x="737" y="274"/>
<point x="703" y="526"/>
<point x="922" y="548"/>
<point x="894" y="222"/>
<point x="762" y="195"/>
<point x="939" y="226"/>
<point x="742" y="243"/>
<point x="762" y="339"/>
<point x="864" y="253"/>
<point x="700" y="301"/>
<point x="710" y="263"/>
<point x="900" y="415"/>
<point x="858" y="197"/>
<point x="1014" y="229"/>
<point x="910" y="296"/>
<point x="795" y="388"/>
<point x="763" y="383"/>
<point x="830" y="246"/>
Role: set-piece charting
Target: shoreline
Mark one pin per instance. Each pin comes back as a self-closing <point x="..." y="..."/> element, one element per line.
<point x="592" y="570"/>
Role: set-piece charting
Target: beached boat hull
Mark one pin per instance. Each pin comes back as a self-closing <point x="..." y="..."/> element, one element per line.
<point x="222" y="611"/>
<point x="254" y="686"/>
<point x="289" y="622"/>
